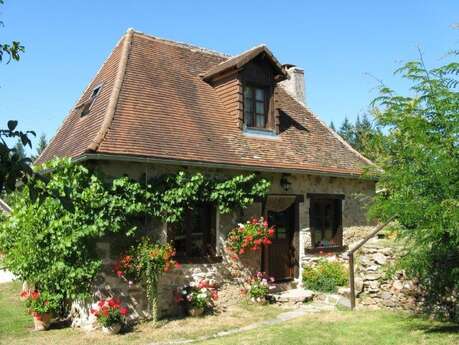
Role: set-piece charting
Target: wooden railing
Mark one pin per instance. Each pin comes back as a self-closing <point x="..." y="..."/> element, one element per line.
<point x="351" y="258"/>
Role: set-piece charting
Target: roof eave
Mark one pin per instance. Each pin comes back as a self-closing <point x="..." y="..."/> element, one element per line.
<point x="217" y="165"/>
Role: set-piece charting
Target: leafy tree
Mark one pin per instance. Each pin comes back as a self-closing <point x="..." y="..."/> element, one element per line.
<point x="10" y="51"/>
<point x="13" y="165"/>
<point x="346" y="131"/>
<point x="41" y="145"/>
<point x="421" y="177"/>
<point x="332" y="126"/>
<point x="52" y="246"/>
<point x="51" y="243"/>
<point x="20" y="151"/>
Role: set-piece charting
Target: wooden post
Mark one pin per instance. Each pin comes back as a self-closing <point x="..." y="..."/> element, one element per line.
<point x="351" y="279"/>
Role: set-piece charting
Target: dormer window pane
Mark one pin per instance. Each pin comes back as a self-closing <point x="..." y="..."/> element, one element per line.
<point x="260" y="121"/>
<point x="255" y="107"/>
<point x="260" y="94"/>
<point x="261" y="108"/>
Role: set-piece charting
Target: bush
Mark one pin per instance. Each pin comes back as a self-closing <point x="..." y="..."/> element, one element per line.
<point x="326" y="276"/>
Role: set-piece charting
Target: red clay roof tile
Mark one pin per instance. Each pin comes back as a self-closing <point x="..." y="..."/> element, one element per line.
<point x="165" y="110"/>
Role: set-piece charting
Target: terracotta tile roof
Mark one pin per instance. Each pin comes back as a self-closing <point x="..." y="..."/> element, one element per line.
<point x="164" y="109"/>
<point x="240" y="60"/>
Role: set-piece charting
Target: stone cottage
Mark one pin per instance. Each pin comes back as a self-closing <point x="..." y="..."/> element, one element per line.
<point x="158" y="106"/>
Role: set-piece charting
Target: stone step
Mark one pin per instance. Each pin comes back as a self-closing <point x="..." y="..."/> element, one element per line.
<point x="293" y="296"/>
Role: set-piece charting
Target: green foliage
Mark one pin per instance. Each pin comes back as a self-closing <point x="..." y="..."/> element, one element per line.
<point x="258" y="286"/>
<point x="145" y="262"/>
<point x="53" y="246"/>
<point x="11" y="50"/>
<point x="170" y="195"/>
<point x="109" y="312"/>
<point x="42" y="302"/>
<point x="326" y="276"/>
<point x="364" y="136"/>
<point x="421" y="177"/>
<point x="14" y="165"/>
<point x="49" y="239"/>
<point x="251" y="235"/>
<point x="41" y="145"/>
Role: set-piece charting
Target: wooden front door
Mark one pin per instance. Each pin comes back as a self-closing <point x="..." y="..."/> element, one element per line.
<point x="279" y="255"/>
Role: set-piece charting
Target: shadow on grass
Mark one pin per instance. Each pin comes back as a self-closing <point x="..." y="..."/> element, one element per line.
<point x="425" y="324"/>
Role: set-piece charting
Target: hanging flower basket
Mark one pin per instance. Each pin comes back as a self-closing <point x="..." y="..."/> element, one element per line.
<point x="251" y="235"/>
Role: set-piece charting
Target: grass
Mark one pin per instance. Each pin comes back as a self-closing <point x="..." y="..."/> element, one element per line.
<point x="328" y="328"/>
<point x="351" y="328"/>
<point x="16" y="326"/>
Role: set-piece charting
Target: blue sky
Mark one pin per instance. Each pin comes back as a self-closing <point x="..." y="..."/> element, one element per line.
<point x="338" y="43"/>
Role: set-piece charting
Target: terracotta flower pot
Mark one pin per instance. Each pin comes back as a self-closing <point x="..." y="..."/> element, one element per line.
<point x="195" y="312"/>
<point x="113" y="329"/>
<point x="42" y="321"/>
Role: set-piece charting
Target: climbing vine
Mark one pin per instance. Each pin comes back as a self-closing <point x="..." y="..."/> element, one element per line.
<point x="145" y="262"/>
<point x="50" y="238"/>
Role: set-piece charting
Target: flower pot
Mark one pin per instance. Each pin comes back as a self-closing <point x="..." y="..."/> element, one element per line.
<point x="42" y="321"/>
<point x="195" y="312"/>
<point x="113" y="329"/>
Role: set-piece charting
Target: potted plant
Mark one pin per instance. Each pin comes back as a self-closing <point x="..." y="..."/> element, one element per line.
<point x="110" y="315"/>
<point x="42" y="305"/>
<point x="249" y="236"/>
<point x="257" y="287"/>
<point x="197" y="298"/>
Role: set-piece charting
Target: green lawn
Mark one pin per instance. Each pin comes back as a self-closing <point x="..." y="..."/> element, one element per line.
<point x="327" y="328"/>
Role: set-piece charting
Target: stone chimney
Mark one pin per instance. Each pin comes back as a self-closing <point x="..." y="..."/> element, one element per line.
<point x="294" y="85"/>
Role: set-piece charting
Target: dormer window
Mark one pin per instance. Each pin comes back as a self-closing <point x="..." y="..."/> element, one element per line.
<point x="255" y="107"/>
<point x="86" y="106"/>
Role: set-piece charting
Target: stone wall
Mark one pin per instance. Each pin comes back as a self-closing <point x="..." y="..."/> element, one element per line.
<point x="376" y="284"/>
<point x="357" y="195"/>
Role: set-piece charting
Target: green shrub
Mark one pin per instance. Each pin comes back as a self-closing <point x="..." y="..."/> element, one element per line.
<point x="326" y="276"/>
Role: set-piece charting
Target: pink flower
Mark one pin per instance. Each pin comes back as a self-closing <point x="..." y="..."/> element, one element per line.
<point x="101" y="303"/>
<point x="177" y="265"/>
<point x="123" y="311"/>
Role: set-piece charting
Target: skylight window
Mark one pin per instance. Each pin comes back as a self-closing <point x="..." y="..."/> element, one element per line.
<point x="86" y="107"/>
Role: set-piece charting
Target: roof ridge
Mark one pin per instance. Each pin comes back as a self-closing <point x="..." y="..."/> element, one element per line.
<point x="185" y="45"/>
<point x="79" y="98"/>
<point x="336" y="135"/>
<point x="116" y="89"/>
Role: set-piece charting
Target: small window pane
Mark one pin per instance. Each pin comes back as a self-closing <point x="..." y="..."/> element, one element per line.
<point x="259" y="94"/>
<point x="260" y="121"/>
<point x="260" y="108"/>
<point x="248" y="92"/>
<point x="248" y="118"/>
<point x="248" y="106"/>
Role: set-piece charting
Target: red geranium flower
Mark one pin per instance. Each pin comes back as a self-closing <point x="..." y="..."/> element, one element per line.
<point x="101" y="303"/>
<point x="35" y="294"/>
<point x="123" y="311"/>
